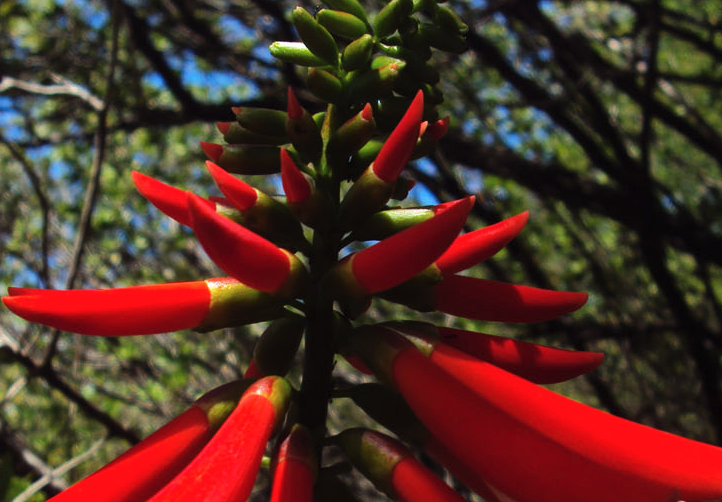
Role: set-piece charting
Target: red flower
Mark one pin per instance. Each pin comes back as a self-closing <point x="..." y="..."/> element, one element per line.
<point x="226" y="468"/>
<point x="294" y="468"/>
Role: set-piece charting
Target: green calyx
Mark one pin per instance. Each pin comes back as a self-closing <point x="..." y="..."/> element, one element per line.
<point x="351" y="136"/>
<point x="341" y="283"/>
<point x="386" y="223"/>
<point x="237" y="134"/>
<point x="418" y="292"/>
<point x="250" y="159"/>
<point x="367" y="195"/>
<point x="378" y="347"/>
<point x="221" y="401"/>
<point x="374" y="454"/>
<point x="273" y="220"/>
<point x="235" y="304"/>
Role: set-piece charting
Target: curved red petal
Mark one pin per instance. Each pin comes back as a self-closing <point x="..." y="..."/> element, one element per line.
<point x="652" y="460"/>
<point x="487" y="300"/>
<point x="212" y="150"/>
<point x="514" y="451"/>
<point x="400" y="145"/>
<point x="474" y="247"/>
<point x="137" y="310"/>
<point x="225" y="470"/>
<point x="536" y="363"/>
<point x="295" y="185"/>
<point x="241" y="253"/>
<point x="415" y="483"/>
<point x="401" y="256"/>
<point x="239" y="193"/>
<point x="169" y="200"/>
<point x="148" y="466"/>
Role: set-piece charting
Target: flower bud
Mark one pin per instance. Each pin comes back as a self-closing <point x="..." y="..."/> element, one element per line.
<point x="447" y="20"/>
<point x="303" y="131"/>
<point x="350" y="6"/>
<point x="306" y="203"/>
<point x="391" y="16"/>
<point x="324" y="85"/>
<point x="351" y="136"/>
<point x="264" y="121"/>
<point x="341" y="23"/>
<point x="295" y="53"/>
<point x="441" y="39"/>
<point x="318" y="40"/>
<point x="357" y="54"/>
<point x="244" y="159"/>
<point x="277" y="346"/>
<point x="389" y="222"/>
<point x="370" y="85"/>
<point x="235" y="133"/>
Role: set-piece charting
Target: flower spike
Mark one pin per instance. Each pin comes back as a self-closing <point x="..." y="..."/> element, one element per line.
<point x="487" y="300"/>
<point x="524" y="440"/>
<point x="243" y="254"/>
<point x="475" y="247"/>
<point x="392" y="467"/>
<point x="146" y="467"/>
<point x="225" y="470"/>
<point x="143" y="310"/>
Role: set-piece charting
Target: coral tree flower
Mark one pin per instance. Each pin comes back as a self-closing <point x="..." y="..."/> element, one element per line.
<point x="226" y="468"/>
<point x="531" y="444"/>
<point x="142" y="310"/>
<point x="145" y="468"/>
<point x="294" y="468"/>
<point x="392" y="468"/>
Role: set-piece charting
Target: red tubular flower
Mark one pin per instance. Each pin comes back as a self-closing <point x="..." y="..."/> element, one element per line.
<point x="372" y="190"/>
<point x="392" y="467"/>
<point x="226" y="468"/>
<point x="475" y="247"/>
<point x="398" y="258"/>
<point x="242" y="195"/>
<point x="145" y="468"/>
<point x="143" y="310"/>
<point x="295" y="185"/>
<point x="534" y="445"/>
<point x="295" y="468"/>
<point x="487" y="300"/>
<point x="243" y="254"/>
<point x="536" y="363"/>
<point x="398" y="147"/>
<point x="169" y="200"/>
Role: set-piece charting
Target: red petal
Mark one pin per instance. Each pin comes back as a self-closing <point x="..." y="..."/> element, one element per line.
<point x="401" y="256"/>
<point x="241" y="194"/>
<point x="225" y="470"/>
<point x="137" y="310"/>
<point x="487" y="300"/>
<point x="169" y="200"/>
<point x="294" y="107"/>
<point x="400" y="145"/>
<point x="295" y="185"/>
<point x="147" y="467"/>
<point x="241" y="253"/>
<point x="294" y="473"/>
<point x="212" y="150"/>
<point x="438" y="129"/>
<point x="415" y="483"/>
<point x="474" y="247"/>
<point x="536" y="363"/>
<point x="605" y="452"/>
<point x="223" y="126"/>
<point x="510" y="438"/>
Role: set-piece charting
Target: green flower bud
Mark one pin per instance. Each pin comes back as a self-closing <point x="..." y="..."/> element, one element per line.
<point x="390" y="17"/>
<point x="324" y="85"/>
<point x="357" y="53"/>
<point x="276" y="348"/>
<point x="370" y="85"/>
<point x="341" y="23"/>
<point x="249" y="159"/>
<point x="262" y="120"/>
<point x="443" y="40"/>
<point x="351" y="136"/>
<point x="237" y="134"/>
<point x="295" y="53"/>
<point x="389" y="222"/>
<point x="318" y="40"/>
<point x="448" y="21"/>
<point x="350" y="6"/>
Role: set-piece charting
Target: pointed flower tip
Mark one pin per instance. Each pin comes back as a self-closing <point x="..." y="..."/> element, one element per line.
<point x="368" y="112"/>
<point x="438" y="129"/>
<point x="398" y="258"/>
<point x="295" y="184"/>
<point x="236" y="110"/>
<point x="223" y="126"/>
<point x="239" y="193"/>
<point x="212" y="150"/>
<point x="169" y="200"/>
<point x="241" y="253"/>
<point x="400" y="144"/>
<point x="294" y="107"/>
